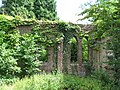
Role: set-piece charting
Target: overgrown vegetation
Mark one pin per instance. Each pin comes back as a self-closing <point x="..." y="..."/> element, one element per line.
<point x="18" y="57"/>
<point x="105" y="15"/>
<point x="55" y="82"/>
<point x="22" y="53"/>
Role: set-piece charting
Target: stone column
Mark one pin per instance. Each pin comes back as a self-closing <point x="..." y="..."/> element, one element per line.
<point x="68" y="59"/>
<point x="89" y="53"/>
<point x="89" y="68"/>
<point x="60" y="57"/>
<point x="50" y="58"/>
<point x="79" y="55"/>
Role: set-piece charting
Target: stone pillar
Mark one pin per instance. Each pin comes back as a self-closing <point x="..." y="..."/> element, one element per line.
<point x="50" y="58"/>
<point x="68" y="59"/>
<point x="60" y="57"/>
<point x="89" y="53"/>
<point x="79" y="55"/>
<point x="89" y="64"/>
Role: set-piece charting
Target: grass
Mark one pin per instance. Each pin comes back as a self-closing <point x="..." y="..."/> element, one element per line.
<point x="54" y="82"/>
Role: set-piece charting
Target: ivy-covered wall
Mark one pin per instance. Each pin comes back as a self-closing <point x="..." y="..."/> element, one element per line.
<point x="26" y="43"/>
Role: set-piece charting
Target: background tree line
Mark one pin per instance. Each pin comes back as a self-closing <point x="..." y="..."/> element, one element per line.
<point x="38" y="9"/>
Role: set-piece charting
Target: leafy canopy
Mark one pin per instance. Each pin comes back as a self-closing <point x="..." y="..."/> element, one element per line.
<point x="39" y="9"/>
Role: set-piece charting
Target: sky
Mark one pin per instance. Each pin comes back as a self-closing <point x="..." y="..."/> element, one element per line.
<point x="68" y="10"/>
<point x="0" y="2"/>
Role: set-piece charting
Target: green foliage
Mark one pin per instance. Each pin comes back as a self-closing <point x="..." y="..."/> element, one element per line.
<point x="8" y="81"/>
<point x="74" y="50"/>
<point x="5" y="25"/>
<point x="45" y="9"/>
<point x="55" y="82"/>
<point x="85" y="49"/>
<point x="28" y="55"/>
<point x="39" y="9"/>
<point x="105" y="15"/>
<point x="104" y="77"/>
<point x="23" y="8"/>
<point x="8" y="64"/>
<point x="18" y="55"/>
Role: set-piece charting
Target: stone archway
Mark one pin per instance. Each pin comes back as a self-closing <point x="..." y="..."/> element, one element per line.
<point x="63" y="65"/>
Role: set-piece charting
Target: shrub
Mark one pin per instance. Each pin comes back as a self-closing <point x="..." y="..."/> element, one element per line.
<point x="18" y="53"/>
<point x="56" y="82"/>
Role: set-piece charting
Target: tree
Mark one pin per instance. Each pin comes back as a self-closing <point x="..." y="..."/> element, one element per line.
<point x="39" y="9"/>
<point x="45" y="9"/>
<point x="23" y="8"/>
<point x="105" y="14"/>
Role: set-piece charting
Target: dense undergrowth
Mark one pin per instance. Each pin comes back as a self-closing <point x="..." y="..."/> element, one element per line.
<point x="55" y="82"/>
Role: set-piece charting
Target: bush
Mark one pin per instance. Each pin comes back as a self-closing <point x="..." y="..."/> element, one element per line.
<point x="55" y="82"/>
<point x="19" y="54"/>
<point x="10" y="81"/>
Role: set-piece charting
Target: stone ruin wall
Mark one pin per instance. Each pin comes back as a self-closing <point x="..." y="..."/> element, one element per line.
<point x="95" y="56"/>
